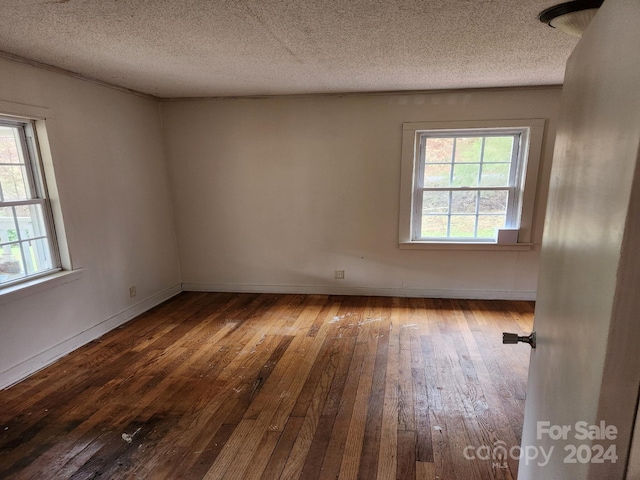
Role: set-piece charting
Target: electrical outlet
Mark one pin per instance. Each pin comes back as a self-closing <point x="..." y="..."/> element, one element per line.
<point x="339" y="275"/>
<point x="132" y="291"/>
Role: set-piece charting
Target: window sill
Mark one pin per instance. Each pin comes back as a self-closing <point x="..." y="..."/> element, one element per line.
<point x="20" y="290"/>
<point x="522" y="247"/>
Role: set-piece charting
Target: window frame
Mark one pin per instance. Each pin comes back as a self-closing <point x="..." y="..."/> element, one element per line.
<point x="517" y="235"/>
<point x="38" y="195"/>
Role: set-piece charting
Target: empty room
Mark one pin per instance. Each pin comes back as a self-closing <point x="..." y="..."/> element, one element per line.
<point x="319" y="239"/>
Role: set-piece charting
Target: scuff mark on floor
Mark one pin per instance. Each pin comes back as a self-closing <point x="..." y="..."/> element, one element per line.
<point x="370" y="320"/>
<point x="129" y="438"/>
<point x="412" y="326"/>
<point x="337" y="318"/>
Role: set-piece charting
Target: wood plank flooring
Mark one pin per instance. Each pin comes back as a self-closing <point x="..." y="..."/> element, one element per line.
<point x="256" y="386"/>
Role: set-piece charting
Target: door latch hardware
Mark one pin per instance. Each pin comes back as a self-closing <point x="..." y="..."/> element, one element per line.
<point x="512" y="338"/>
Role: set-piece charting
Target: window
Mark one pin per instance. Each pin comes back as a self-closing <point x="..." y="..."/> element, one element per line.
<point x="466" y="184"/>
<point x="469" y="182"/>
<point x="27" y="246"/>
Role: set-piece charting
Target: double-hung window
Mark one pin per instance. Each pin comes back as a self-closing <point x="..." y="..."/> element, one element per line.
<point x="467" y="182"/>
<point x="27" y="245"/>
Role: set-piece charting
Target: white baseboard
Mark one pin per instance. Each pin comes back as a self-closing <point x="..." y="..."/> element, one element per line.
<point x="366" y="291"/>
<point x="24" y="369"/>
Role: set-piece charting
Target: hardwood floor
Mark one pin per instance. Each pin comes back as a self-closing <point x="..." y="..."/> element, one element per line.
<point x="250" y="386"/>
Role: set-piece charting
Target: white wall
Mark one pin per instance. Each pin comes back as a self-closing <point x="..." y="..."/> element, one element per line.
<point x="112" y="180"/>
<point x="275" y="194"/>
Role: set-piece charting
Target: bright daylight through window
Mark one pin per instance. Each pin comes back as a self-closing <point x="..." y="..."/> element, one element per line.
<point x="27" y="249"/>
<point x="467" y="184"/>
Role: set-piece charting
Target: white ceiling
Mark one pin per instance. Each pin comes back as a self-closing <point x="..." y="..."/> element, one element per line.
<point x="194" y="48"/>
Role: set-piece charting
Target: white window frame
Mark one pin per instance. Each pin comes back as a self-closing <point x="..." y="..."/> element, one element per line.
<point x="517" y="234"/>
<point x="66" y="272"/>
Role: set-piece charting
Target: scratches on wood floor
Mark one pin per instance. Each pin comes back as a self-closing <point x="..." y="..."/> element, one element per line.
<point x="262" y="386"/>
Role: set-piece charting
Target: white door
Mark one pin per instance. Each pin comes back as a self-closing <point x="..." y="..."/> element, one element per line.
<point x="585" y="371"/>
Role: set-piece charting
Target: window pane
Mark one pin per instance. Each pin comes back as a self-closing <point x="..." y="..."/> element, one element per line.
<point x="494" y="201"/>
<point x="488" y="225"/>
<point x="498" y="149"/>
<point x="438" y="150"/>
<point x="9" y="150"/>
<point x="31" y="221"/>
<point x="463" y="202"/>
<point x="13" y="182"/>
<point x="25" y="243"/>
<point x="463" y="226"/>
<point x="436" y="175"/>
<point x="8" y="229"/>
<point x="37" y="256"/>
<point x="11" y="267"/>
<point x="435" y="202"/>
<point x="434" y="226"/>
<point x="465" y="175"/>
<point x="468" y="149"/>
<point x="495" y="175"/>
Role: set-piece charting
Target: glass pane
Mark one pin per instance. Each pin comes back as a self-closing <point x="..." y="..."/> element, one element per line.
<point x="468" y="149"/>
<point x="31" y="221"/>
<point x="463" y="226"/>
<point x="10" y="151"/>
<point x="488" y="225"/>
<point x="436" y="175"/>
<point x="435" y="202"/>
<point x="463" y="202"/>
<point x="493" y="201"/>
<point x="438" y="150"/>
<point x="465" y="175"/>
<point x="11" y="267"/>
<point x="495" y="175"/>
<point x="13" y="182"/>
<point x="434" y="226"/>
<point x="37" y="256"/>
<point x="498" y="149"/>
<point x="8" y="229"/>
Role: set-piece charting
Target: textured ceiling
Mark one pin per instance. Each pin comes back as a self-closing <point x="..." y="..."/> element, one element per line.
<point x="193" y="48"/>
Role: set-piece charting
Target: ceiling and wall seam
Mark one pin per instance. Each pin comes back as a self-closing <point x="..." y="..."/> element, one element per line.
<point x="79" y="76"/>
<point x="69" y="73"/>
